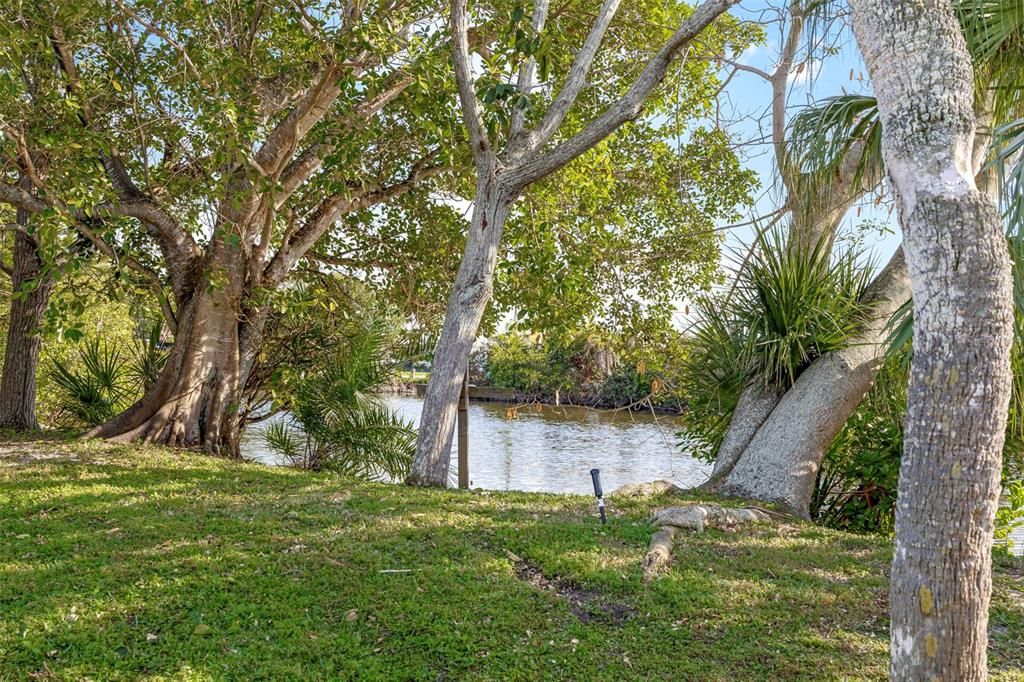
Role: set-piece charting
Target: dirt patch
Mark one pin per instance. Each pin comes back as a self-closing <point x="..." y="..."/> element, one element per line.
<point x="589" y="606"/>
<point x="21" y="454"/>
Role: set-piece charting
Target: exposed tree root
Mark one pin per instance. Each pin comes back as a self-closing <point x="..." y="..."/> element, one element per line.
<point x="651" y="489"/>
<point x="694" y="517"/>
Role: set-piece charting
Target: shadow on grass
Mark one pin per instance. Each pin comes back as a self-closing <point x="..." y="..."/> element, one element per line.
<point x="185" y="566"/>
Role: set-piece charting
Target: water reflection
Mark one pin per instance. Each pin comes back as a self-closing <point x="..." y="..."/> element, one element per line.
<point x="553" y="450"/>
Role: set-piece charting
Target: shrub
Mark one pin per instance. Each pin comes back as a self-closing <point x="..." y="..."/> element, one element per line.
<point x="1010" y="515"/>
<point x="102" y="377"/>
<point x="339" y="420"/>
<point x="857" y="483"/>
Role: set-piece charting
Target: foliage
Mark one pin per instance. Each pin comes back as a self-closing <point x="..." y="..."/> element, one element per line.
<point x="289" y="569"/>
<point x="797" y="305"/>
<point x="524" y="363"/>
<point x="340" y="422"/>
<point x="714" y="374"/>
<point x="857" y="482"/>
<point x="103" y="377"/>
<point x="97" y="390"/>
<point x="1010" y="516"/>
<point x="586" y="368"/>
<point x="790" y="306"/>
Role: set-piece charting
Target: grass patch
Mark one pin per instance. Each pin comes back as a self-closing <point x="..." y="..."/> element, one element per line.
<point x="121" y="562"/>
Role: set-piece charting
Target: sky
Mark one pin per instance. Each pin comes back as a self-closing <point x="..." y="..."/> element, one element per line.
<point x="746" y="100"/>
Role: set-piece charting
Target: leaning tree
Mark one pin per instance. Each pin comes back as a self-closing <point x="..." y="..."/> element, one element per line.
<point x="544" y="129"/>
<point x="778" y="435"/>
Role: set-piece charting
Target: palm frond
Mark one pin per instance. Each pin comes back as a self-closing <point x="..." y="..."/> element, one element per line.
<point x="345" y="425"/>
<point x="839" y="135"/>
<point x="93" y="389"/>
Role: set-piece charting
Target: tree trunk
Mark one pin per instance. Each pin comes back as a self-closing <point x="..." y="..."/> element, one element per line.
<point x="780" y="463"/>
<point x="21" y="356"/>
<point x="754" y="406"/>
<point x="963" y="329"/>
<point x="466" y="306"/>
<point x="195" y="401"/>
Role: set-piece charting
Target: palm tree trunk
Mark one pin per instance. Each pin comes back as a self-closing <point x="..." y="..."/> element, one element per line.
<point x="963" y="329"/>
<point x="781" y="460"/>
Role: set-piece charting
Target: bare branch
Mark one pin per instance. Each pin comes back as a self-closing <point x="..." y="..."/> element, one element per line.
<point x="780" y="84"/>
<point x="540" y="13"/>
<point x="478" y="142"/>
<point x="574" y="83"/>
<point x="739" y="66"/>
<point x="309" y="162"/>
<point x="331" y="208"/>
<point x="627" y="107"/>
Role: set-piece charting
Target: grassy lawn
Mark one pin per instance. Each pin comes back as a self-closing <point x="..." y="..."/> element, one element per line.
<point x="414" y="376"/>
<point x="126" y="563"/>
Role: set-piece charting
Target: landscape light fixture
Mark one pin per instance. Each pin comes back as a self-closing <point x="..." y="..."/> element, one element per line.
<point x="595" y="475"/>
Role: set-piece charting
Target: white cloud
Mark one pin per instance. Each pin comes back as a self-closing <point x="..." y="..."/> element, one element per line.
<point x="805" y="72"/>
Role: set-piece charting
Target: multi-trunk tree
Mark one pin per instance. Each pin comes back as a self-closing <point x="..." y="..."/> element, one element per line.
<point x="545" y="129"/>
<point x="208" y="151"/>
<point x="778" y="436"/>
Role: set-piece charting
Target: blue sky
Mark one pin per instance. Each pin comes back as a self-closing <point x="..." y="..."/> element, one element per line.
<point x="747" y="98"/>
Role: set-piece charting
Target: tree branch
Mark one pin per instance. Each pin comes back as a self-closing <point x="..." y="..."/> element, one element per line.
<point x="627" y="107"/>
<point x="574" y="83"/>
<point x="24" y="200"/>
<point x="540" y="13"/>
<point x="333" y="207"/>
<point x="478" y="142"/>
<point x="309" y="162"/>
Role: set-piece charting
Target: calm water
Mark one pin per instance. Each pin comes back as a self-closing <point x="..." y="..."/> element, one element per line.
<point x="555" y="449"/>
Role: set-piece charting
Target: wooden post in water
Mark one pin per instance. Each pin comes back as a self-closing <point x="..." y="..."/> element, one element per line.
<point x="464" y="433"/>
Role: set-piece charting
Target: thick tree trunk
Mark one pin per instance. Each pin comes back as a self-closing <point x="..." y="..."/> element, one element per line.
<point x="21" y="356"/>
<point x="754" y="406"/>
<point x="195" y="401"/>
<point x="963" y="329"/>
<point x="781" y="460"/>
<point x="466" y="306"/>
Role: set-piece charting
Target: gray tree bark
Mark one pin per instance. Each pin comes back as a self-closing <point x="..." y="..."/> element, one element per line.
<point x="21" y="356"/>
<point x="467" y="303"/>
<point x="960" y="374"/>
<point x="835" y="385"/>
<point x="501" y="177"/>
<point x="754" y="406"/>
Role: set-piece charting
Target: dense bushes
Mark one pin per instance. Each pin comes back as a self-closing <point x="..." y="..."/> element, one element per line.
<point x="584" y="370"/>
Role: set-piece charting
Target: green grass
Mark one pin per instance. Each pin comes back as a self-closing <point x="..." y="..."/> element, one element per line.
<point x="141" y="563"/>
<point x="414" y="376"/>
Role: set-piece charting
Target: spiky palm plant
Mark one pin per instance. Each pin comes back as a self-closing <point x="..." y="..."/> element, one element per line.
<point x="339" y="420"/>
<point x="95" y="388"/>
<point x="790" y="306"/>
<point x="796" y="305"/>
